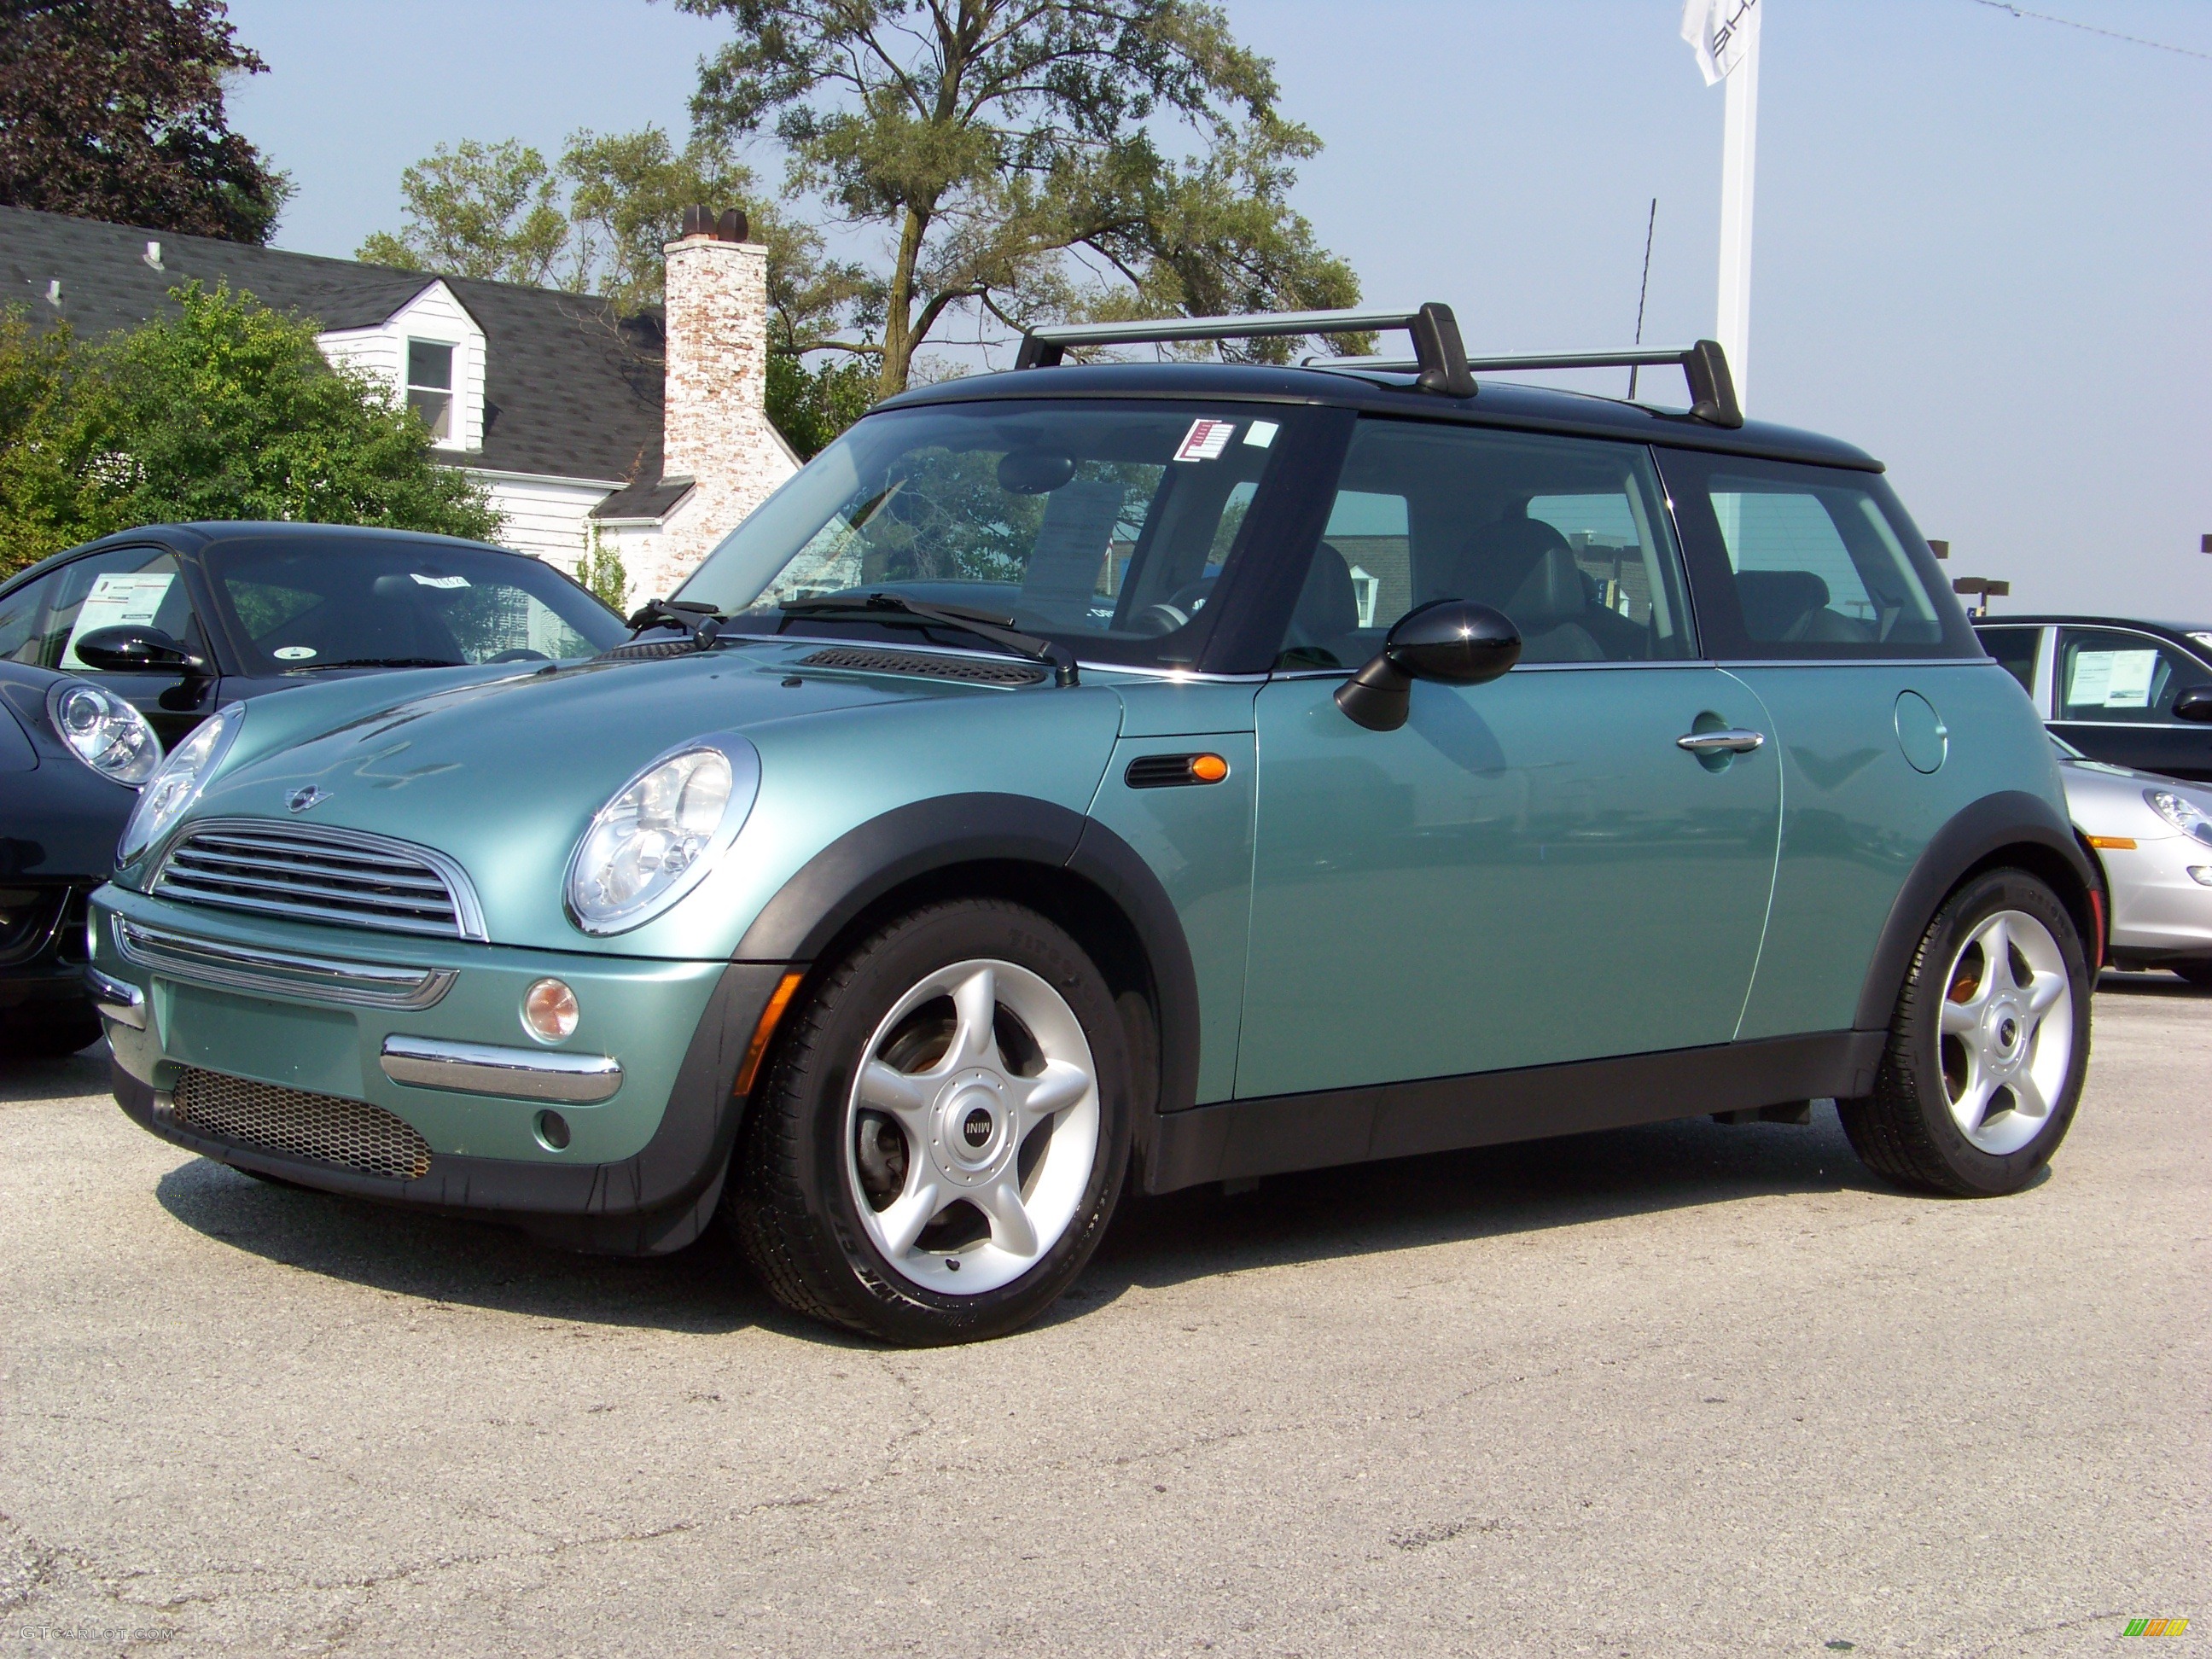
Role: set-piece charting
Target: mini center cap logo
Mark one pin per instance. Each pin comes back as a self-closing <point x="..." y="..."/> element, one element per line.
<point x="976" y="1129"/>
<point x="306" y="795"/>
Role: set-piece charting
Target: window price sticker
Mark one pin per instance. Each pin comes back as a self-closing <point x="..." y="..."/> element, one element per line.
<point x="117" y="600"/>
<point x="2112" y="679"/>
<point x="441" y="581"/>
<point x="1206" y="441"/>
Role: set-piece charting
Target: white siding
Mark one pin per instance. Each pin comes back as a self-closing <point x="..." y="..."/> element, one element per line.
<point x="545" y="517"/>
<point x="433" y="314"/>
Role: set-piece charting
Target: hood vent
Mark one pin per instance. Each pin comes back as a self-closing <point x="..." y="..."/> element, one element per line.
<point x="970" y="671"/>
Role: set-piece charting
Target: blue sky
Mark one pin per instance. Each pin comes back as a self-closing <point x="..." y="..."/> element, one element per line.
<point x="1983" y="242"/>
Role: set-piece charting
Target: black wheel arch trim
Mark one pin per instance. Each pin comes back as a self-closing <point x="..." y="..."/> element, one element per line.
<point x="873" y="860"/>
<point x="1971" y="837"/>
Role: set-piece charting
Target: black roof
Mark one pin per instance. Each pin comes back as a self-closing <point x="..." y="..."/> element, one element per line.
<point x="2180" y="631"/>
<point x="572" y="387"/>
<point x="1502" y="403"/>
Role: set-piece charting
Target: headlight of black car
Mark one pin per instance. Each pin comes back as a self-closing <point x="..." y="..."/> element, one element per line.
<point x="103" y="732"/>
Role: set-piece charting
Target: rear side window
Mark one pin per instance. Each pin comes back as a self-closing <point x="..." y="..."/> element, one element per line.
<point x="1791" y="562"/>
<point x="2015" y="647"/>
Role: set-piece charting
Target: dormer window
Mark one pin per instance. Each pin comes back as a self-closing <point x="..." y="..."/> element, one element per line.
<point x="430" y="386"/>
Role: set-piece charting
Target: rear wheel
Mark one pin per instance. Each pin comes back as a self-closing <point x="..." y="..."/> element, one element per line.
<point x="1988" y="1049"/>
<point x="939" y="1143"/>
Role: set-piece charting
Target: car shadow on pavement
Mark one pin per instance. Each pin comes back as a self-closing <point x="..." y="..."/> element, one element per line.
<point x="2114" y="982"/>
<point x="1485" y="1193"/>
<point x="66" y="1078"/>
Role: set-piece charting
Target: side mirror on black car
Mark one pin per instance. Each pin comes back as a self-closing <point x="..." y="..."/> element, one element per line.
<point x="135" y="647"/>
<point x="1456" y="642"/>
<point x="2194" y="704"/>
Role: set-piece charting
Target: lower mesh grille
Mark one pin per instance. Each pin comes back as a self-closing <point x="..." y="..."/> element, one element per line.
<point x="348" y="1135"/>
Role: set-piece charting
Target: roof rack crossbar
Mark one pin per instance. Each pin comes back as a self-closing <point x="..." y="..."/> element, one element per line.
<point x="1704" y="365"/>
<point x="1440" y="358"/>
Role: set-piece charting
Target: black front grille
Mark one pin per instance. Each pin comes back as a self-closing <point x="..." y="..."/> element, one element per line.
<point x="346" y="1134"/>
<point x="970" y="669"/>
<point x="309" y="873"/>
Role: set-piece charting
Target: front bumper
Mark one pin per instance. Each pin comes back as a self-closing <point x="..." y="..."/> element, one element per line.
<point x="430" y="1030"/>
<point x="2160" y="913"/>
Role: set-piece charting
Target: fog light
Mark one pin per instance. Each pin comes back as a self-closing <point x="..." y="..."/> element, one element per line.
<point x="2201" y="874"/>
<point x="549" y="1009"/>
<point x="553" y="1131"/>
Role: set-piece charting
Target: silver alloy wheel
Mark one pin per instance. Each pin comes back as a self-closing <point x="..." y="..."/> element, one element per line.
<point x="2007" y="1033"/>
<point x="940" y="1116"/>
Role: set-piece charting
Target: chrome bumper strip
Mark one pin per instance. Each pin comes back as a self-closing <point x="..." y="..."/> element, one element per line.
<point x="481" y="1068"/>
<point x="124" y="1004"/>
<point x="281" y="972"/>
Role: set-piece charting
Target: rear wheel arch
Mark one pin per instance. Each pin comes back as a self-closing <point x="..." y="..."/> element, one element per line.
<point x="1068" y="867"/>
<point x="2010" y="828"/>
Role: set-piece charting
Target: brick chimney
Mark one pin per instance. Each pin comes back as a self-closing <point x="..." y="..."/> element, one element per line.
<point x="715" y="426"/>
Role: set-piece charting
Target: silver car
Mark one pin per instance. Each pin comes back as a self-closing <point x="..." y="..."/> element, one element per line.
<point x="2154" y="836"/>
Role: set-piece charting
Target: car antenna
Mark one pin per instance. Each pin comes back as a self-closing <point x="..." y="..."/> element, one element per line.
<point x="1643" y="288"/>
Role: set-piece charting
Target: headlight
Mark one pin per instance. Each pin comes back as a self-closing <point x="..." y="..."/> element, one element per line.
<point x="177" y="785"/>
<point x="103" y="732"/>
<point x="2182" y="813"/>
<point x="656" y="839"/>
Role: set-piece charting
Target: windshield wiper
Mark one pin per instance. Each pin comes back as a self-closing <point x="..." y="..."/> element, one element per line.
<point x="896" y="610"/>
<point x="702" y="622"/>
<point x="386" y="662"/>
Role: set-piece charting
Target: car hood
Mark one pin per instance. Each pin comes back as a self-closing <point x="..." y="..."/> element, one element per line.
<point x="503" y="773"/>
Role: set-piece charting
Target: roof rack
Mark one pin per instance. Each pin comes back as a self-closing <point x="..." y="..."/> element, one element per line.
<point x="1704" y="365"/>
<point x="1440" y="359"/>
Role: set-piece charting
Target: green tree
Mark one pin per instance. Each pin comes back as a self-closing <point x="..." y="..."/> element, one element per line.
<point x="225" y="409"/>
<point x="114" y="109"/>
<point x="477" y="209"/>
<point x="1008" y="148"/>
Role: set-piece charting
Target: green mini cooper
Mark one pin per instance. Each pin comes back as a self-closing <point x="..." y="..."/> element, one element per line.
<point x="1162" y="773"/>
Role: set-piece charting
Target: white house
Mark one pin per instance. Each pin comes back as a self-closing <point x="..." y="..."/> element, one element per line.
<point x="648" y="432"/>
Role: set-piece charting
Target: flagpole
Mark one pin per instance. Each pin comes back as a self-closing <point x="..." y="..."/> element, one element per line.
<point x="1739" y="148"/>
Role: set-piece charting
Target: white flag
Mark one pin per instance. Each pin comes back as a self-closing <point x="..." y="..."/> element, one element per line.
<point x="1720" y="31"/>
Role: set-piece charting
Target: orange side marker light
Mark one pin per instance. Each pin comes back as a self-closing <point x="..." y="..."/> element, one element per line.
<point x="770" y="1016"/>
<point x="1208" y="768"/>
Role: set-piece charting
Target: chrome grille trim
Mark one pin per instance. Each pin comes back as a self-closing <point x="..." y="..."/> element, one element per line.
<point x="280" y="973"/>
<point x="345" y="1134"/>
<point x="311" y="873"/>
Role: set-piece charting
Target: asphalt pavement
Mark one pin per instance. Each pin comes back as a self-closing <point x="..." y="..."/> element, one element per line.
<point x="1687" y="1389"/>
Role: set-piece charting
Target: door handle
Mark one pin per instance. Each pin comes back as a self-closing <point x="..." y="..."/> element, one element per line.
<point x="1729" y="740"/>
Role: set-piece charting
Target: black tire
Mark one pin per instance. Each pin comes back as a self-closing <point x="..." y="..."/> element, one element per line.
<point x="793" y="1214"/>
<point x="1905" y="1130"/>
<point x="2197" y="973"/>
<point x="49" y="1030"/>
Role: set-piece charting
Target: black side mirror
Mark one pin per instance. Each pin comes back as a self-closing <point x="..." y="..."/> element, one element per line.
<point x="1455" y="640"/>
<point x="135" y="646"/>
<point x="2195" y="704"/>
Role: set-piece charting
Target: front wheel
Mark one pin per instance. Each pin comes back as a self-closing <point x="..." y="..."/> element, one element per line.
<point x="1988" y="1049"/>
<point x="938" y="1146"/>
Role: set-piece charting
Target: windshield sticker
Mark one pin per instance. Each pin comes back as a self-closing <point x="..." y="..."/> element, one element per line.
<point x="1260" y="433"/>
<point x="1205" y="440"/>
<point x="2112" y="679"/>
<point x="1068" y="561"/>
<point x="117" y="600"/>
<point x="441" y="582"/>
<point x="293" y="652"/>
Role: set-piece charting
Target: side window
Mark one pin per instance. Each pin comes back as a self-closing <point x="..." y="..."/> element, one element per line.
<point x="2015" y="647"/>
<point x="1566" y="536"/>
<point x="22" y="614"/>
<point x="122" y="585"/>
<point x="2110" y="675"/>
<point x="1814" y="559"/>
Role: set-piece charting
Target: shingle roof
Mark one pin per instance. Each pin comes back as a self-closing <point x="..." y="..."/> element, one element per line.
<point x="572" y="388"/>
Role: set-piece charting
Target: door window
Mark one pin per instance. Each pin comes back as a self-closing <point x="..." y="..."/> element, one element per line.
<point x="2110" y="675"/>
<point x="42" y="623"/>
<point x="1809" y="562"/>
<point x="2015" y="647"/>
<point x="1566" y="536"/>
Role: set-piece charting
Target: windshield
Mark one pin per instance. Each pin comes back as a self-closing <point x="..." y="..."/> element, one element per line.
<point x="305" y="606"/>
<point x="1101" y="525"/>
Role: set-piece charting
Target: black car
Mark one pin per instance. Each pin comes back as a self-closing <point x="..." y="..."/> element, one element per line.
<point x="173" y="622"/>
<point x="2136" y="694"/>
